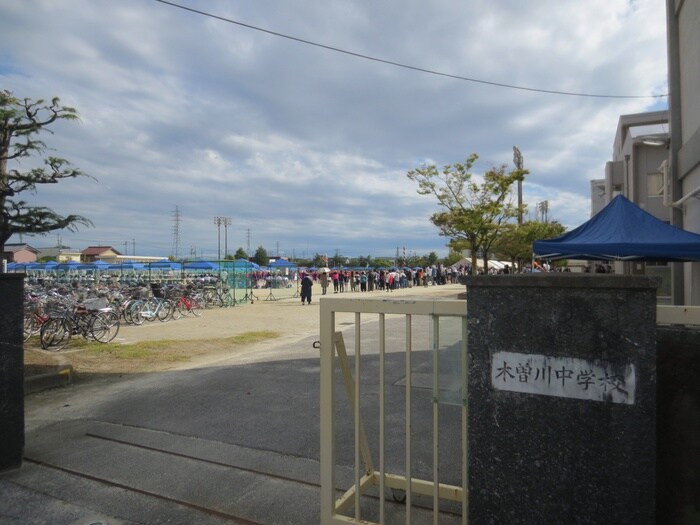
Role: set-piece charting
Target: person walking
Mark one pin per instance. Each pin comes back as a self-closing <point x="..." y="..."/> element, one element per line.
<point x="306" y="284"/>
<point x="335" y="278"/>
<point x="324" y="282"/>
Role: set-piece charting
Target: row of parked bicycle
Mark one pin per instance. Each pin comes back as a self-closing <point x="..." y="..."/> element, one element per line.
<point x="96" y="314"/>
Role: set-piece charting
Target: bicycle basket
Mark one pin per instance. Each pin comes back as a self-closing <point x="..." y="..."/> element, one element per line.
<point x="95" y="303"/>
<point x="56" y="310"/>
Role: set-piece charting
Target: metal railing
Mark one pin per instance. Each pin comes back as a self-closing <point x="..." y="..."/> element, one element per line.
<point x="356" y="490"/>
<point x="378" y="354"/>
<point x="678" y="315"/>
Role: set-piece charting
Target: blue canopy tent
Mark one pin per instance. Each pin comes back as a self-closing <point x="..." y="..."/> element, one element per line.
<point x="202" y="265"/>
<point x="165" y="265"/>
<point x="50" y="265"/>
<point x="245" y="265"/>
<point x="126" y="266"/>
<point x="70" y="265"/>
<point x="282" y="263"/>
<point x="622" y="231"/>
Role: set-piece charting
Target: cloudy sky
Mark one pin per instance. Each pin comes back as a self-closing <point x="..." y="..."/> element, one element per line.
<point x="306" y="148"/>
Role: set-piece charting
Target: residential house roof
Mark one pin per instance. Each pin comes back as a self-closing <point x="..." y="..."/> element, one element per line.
<point x="98" y="250"/>
<point x="17" y="247"/>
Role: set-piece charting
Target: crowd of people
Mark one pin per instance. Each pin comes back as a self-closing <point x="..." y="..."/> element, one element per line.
<point x="387" y="280"/>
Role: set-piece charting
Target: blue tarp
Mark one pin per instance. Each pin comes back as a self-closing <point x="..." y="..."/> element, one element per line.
<point x="201" y="265"/>
<point x="622" y="231"/>
<point x="165" y="265"/>
<point x="126" y="266"/>
<point x="70" y="265"/>
<point x="282" y="263"/>
<point x="241" y="265"/>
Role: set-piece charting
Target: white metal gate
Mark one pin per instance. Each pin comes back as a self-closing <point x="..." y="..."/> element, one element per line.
<point x="342" y="505"/>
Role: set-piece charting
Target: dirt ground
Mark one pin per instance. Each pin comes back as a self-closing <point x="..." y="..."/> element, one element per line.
<point x="244" y="329"/>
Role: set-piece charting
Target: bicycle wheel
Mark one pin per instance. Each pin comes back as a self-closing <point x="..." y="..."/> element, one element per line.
<point x="127" y="310"/>
<point x="150" y="310"/>
<point x="164" y="310"/>
<point x="104" y="326"/>
<point x="55" y="334"/>
<point x="182" y="307"/>
<point x="29" y="326"/>
<point x="114" y="324"/>
<point x="214" y="299"/>
<point x="197" y="306"/>
<point x="96" y="328"/>
<point x="136" y="313"/>
<point x="226" y="299"/>
<point x="208" y="299"/>
<point x="176" y="307"/>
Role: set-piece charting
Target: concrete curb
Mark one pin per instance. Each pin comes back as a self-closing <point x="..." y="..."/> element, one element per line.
<point x="62" y="376"/>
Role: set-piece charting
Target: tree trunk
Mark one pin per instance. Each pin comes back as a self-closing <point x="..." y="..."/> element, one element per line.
<point x="474" y="266"/>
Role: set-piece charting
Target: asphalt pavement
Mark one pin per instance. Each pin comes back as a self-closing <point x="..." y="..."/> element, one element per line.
<point x="229" y="442"/>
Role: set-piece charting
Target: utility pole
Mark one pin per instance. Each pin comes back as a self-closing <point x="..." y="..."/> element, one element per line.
<point x="225" y="222"/>
<point x="518" y="161"/>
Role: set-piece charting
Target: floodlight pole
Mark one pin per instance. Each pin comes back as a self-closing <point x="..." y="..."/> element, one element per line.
<point x="218" y="221"/>
<point x="227" y="223"/>
<point x="518" y="161"/>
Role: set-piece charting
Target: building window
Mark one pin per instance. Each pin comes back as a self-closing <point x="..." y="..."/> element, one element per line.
<point x="655" y="184"/>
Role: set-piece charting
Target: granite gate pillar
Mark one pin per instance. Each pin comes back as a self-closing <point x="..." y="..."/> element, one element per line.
<point x="562" y="399"/>
<point x="11" y="371"/>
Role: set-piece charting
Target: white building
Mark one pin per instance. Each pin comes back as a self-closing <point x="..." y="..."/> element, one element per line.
<point x="656" y="156"/>
<point x="683" y="21"/>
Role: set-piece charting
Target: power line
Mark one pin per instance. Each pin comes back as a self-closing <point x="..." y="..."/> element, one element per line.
<point x="402" y="65"/>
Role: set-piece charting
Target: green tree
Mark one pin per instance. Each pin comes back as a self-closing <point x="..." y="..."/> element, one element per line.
<point x="20" y="122"/>
<point x="515" y="243"/>
<point x="452" y="258"/>
<point x="337" y="259"/>
<point x="363" y="260"/>
<point x="382" y="261"/>
<point x="319" y="260"/>
<point x="261" y="257"/>
<point x="304" y="262"/>
<point x="432" y="259"/>
<point x="473" y="214"/>
<point x="240" y="254"/>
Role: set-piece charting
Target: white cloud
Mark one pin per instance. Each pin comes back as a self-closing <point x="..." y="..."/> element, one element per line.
<point x="309" y="148"/>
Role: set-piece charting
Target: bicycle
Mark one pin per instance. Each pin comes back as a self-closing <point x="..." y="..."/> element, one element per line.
<point x="217" y="296"/>
<point x="187" y="303"/>
<point x="151" y="309"/>
<point x="34" y="317"/>
<point x="99" y="324"/>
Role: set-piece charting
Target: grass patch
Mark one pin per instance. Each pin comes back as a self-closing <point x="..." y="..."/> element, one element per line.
<point x="146" y="350"/>
<point x="252" y="337"/>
